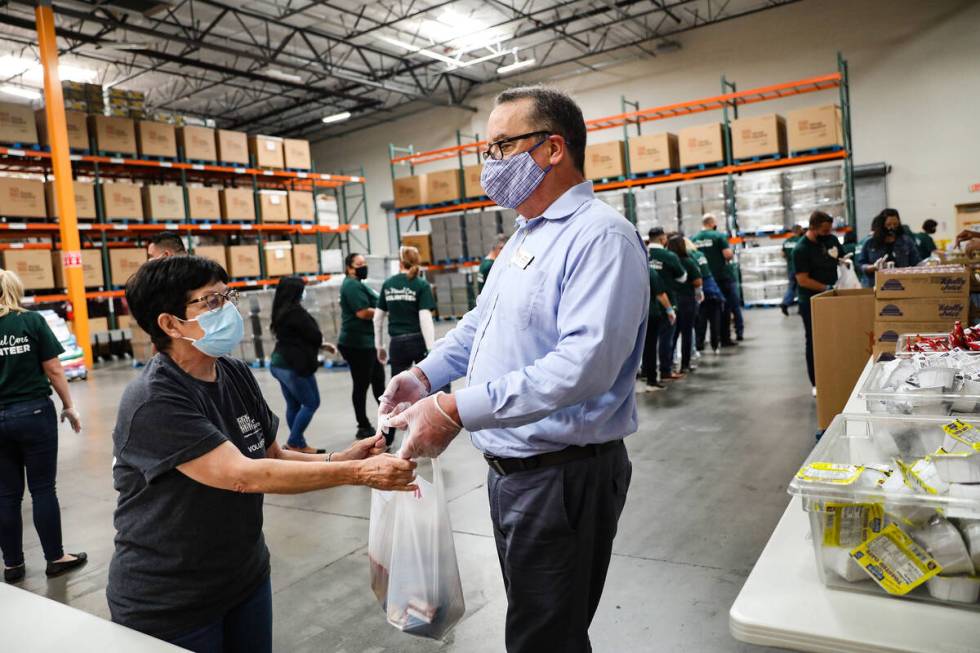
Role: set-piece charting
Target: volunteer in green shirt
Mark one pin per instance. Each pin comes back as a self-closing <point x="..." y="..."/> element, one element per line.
<point x="356" y="341"/>
<point x="815" y="259"/>
<point x="714" y="245"/>
<point x="661" y="316"/>
<point x="29" y="368"/>
<point x="688" y="295"/>
<point x="789" y="298"/>
<point x="670" y="269"/>
<point x="712" y="303"/>
<point x="487" y="263"/>
<point x="924" y="240"/>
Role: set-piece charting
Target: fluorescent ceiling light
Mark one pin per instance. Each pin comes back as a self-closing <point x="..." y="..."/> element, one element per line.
<point x="462" y="33"/>
<point x="278" y="74"/>
<point x="517" y="65"/>
<point x="19" y="91"/>
<point x="33" y="71"/>
<point x="337" y="117"/>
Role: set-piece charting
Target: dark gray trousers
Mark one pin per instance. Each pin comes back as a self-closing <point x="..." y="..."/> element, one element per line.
<point x="554" y="529"/>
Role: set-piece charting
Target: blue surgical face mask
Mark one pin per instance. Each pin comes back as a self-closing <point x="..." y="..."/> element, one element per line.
<point x="509" y="182"/>
<point x="223" y="331"/>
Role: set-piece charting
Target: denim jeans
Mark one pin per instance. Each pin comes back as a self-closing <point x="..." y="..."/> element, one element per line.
<point x="29" y="442"/>
<point x="246" y="628"/>
<point x="687" y="310"/>
<point x="302" y="400"/>
<point x="709" y="316"/>
<point x="790" y="297"/>
<point x="665" y="346"/>
<point x="733" y="307"/>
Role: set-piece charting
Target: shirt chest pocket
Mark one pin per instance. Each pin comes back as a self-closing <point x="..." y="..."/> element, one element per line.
<point x="519" y="295"/>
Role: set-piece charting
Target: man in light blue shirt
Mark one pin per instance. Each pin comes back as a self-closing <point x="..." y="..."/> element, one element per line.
<point x="550" y="355"/>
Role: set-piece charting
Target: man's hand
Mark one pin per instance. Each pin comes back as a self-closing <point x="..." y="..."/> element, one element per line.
<point x="382" y="355"/>
<point x="672" y="316"/>
<point x="403" y="388"/>
<point x="387" y="472"/>
<point x="431" y="426"/>
<point x="73" y="418"/>
<point x="361" y="449"/>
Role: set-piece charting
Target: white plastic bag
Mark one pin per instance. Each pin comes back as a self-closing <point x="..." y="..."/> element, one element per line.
<point x="846" y="277"/>
<point x="414" y="572"/>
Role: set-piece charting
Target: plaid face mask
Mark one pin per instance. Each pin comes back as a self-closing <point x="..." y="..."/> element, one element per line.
<point x="509" y="182"/>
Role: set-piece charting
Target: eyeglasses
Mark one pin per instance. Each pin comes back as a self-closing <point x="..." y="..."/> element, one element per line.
<point x="216" y="300"/>
<point x="505" y="146"/>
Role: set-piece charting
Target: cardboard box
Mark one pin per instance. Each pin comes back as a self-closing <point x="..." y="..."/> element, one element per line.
<point x="266" y="151"/>
<point x="921" y="310"/>
<point x="701" y="144"/>
<point x="843" y="327"/>
<point x="17" y="124"/>
<point x="232" y="147"/>
<point x="114" y="135"/>
<point x="409" y="191"/>
<point x="237" y="204"/>
<point x="243" y="261"/>
<point x="98" y="325"/>
<point x="84" y="200"/>
<point x="204" y="203"/>
<point x="124" y="321"/>
<point x="278" y="259"/>
<point x="604" y="160"/>
<point x="305" y="259"/>
<point x="653" y="152"/>
<point x="33" y="266"/>
<point x="157" y="139"/>
<point x="886" y="333"/>
<point x="22" y="198"/>
<point x="947" y="281"/>
<point x="814" y="127"/>
<point x="124" y="262"/>
<point x="122" y="201"/>
<point x="967" y="216"/>
<point x="216" y="253"/>
<point x="421" y="241"/>
<point x="75" y="121"/>
<point x="442" y="186"/>
<point x="91" y="268"/>
<point x="296" y="153"/>
<point x="301" y="206"/>
<point x="163" y="203"/>
<point x="471" y="181"/>
<point x="758" y="136"/>
<point x="197" y="143"/>
<point x="274" y="206"/>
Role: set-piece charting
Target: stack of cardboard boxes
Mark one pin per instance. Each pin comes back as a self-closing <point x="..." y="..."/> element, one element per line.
<point x="18" y="125"/>
<point x="85" y="98"/>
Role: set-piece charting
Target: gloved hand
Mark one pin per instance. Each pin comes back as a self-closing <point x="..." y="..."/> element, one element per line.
<point x="73" y="418"/>
<point x="403" y="388"/>
<point x="383" y="356"/>
<point x="698" y="295"/>
<point x="430" y="428"/>
<point x="880" y="263"/>
<point x="671" y="316"/>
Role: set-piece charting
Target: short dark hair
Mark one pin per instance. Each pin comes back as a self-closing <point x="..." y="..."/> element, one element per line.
<point x="349" y="261"/>
<point x="818" y="218"/>
<point x="555" y="112"/>
<point x="929" y="226"/>
<point x="656" y="232"/>
<point x="677" y="244"/>
<point x="163" y="285"/>
<point x="169" y="240"/>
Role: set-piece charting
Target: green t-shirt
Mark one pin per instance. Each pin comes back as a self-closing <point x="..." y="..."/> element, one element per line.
<point x="657" y="287"/>
<point x="702" y="262"/>
<point x="819" y="260"/>
<point x="686" y="289"/>
<point x="668" y="265"/>
<point x="712" y="243"/>
<point x="403" y="298"/>
<point x="926" y="245"/>
<point x="481" y="277"/>
<point x="788" y="246"/>
<point x="26" y="341"/>
<point x="355" y="332"/>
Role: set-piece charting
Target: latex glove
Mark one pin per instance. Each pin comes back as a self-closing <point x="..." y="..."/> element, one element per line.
<point x="880" y="263"/>
<point x="403" y="388"/>
<point x="73" y="418"/>
<point x="383" y="356"/>
<point x="672" y="316"/>
<point x="698" y="295"/>
<point x="430" y="428"/>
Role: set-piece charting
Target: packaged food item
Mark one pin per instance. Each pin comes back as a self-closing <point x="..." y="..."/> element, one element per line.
<point x="945" y="544"/>
<point x="959" y="589"/>
<point x="961" y="437"/>
<point x="895" y="561"/>
<point x="962" y="467"/>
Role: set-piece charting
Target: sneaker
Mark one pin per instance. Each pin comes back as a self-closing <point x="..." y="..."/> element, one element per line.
<point x="716" y="350"/>
<point x="656" y="387"/>
<point x="365" y="432"/>
<point x="814" y="391"/>
<point x="785" y="309"/>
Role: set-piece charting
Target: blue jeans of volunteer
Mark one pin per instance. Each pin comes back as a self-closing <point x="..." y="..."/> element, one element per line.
<point x="789" y="298"/>
<point x="247" y="627"/>
<point x="733" y="308"/>
<point x="29" y="443"/>
<point x="302" y="399"/>
<point x="665" y="346"/>
<point x="687" y="310"/>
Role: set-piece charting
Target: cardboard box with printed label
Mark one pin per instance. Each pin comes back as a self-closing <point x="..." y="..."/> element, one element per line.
<point x="113" y="135"/>
<point x="22" y="198"/>
<point x="758" y="136"/>
<point x="946" y="281"/>
<point x="305" y="258"/>
<point x="122" y="201"/>
<point x="91" y="268"/>
<point x="156" y="139"/>
<point x="296" y="153"/>
<point x="163" y="203"/>
<point x="421" y="241"/>
<point x="922" y="310"/>
<point x="216" y="253"/>
<point x="124" y="262"/>
<point x="274" y="206"/>
<point x="409" y="191"/>
<point x="814" y="128"/>
<point x="266" y="151"/>
<point x="886" y="333"/>
<point x="471" y="181"/>
<point x="301" y="206"/>
<point x="604" y="160"/>
<point x="33" y="266"/>
<point x="75" y="121"/>
<point x="84" y="200"/>
<point x="17" y="124"/>
<point x="701" y="145"/>
<point x="204" y="203"/>
<point x="232" y="147"/>
<point x="653" y="152"/>
<point x="243" y="261"/>
<point x="442" y="186"/>
<point x="278" y="259"/>
<point x="237" y="204"/>
<point x="197" y="143"/>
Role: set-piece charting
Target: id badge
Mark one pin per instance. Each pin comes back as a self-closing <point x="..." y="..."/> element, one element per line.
<point x="522" y="258"/>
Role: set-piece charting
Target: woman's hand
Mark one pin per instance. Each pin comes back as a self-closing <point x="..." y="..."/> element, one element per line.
<point x="383" y="356"/>
<point x="387" y="472"/>
<point x="73" y="418"/>
<point x="329" y="347"/>
<point x="366" y="448"/>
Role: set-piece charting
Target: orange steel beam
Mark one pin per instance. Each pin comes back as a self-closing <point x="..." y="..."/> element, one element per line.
<point x="61" y="167"/>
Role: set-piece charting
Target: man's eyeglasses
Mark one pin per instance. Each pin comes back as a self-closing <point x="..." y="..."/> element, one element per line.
<point x="216" y="300"/>
<point x="506" y="146"/>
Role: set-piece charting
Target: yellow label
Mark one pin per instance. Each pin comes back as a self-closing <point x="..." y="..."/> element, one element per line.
<point x="849" y="524"/>
<point x="895" y="561"/>
<point x="831" y="473"/>
<point x="957" y="427"/>
<point x="915" y="476"/>
<point x="964" y="433"/>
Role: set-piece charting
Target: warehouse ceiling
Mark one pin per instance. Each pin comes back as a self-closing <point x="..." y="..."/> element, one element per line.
<point x="282" y="66"/>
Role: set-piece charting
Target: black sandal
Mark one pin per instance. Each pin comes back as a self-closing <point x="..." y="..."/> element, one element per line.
<point x="59" y="568"/>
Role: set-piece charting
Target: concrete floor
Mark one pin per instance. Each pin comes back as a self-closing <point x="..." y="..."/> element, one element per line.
<point x="710" y="466"/>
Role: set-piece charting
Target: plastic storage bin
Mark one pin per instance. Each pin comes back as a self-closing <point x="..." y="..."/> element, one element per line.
<point x="924" y="385"/>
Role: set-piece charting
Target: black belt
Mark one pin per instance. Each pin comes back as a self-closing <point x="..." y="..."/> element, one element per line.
<point x="505" y="466"/>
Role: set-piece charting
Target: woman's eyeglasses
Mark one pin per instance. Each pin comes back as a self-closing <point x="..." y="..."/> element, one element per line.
<point x="216" y="300"/>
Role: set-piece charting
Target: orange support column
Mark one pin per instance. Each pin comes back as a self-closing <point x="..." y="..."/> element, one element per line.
<point x="71" y="247"/>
